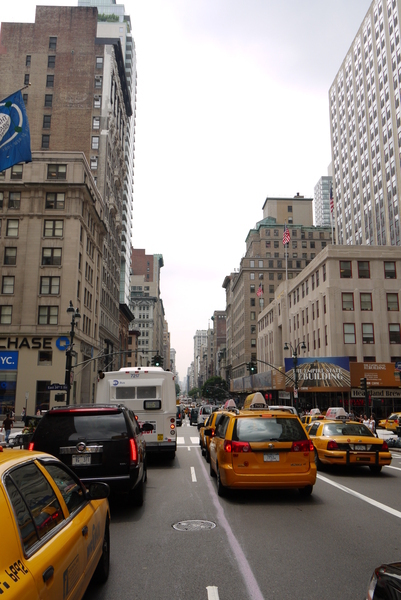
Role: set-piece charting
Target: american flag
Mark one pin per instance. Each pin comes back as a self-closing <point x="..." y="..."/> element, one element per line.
<point x="331" y="200"/>
<point x="259" y="293"/>
<point x="286" y="235"/>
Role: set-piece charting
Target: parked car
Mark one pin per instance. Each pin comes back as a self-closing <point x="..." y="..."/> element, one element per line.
<point x="57" y="531"/>
<point x="99" y="443"/>
<point x="258" y="448"/>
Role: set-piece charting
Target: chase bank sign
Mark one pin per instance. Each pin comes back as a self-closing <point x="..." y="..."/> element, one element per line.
<point x="8" y="361"/>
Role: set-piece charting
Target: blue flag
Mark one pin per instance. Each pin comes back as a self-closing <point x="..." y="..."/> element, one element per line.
<point x="15" y="139"/>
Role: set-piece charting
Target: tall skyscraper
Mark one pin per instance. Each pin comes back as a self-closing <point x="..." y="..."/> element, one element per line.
<point x="321" y="201"/>
<point x="365" y="121"/>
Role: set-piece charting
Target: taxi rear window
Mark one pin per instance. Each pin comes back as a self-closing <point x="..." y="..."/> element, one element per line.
<point x="268" y="430"/>
<point x="346" y="429"/>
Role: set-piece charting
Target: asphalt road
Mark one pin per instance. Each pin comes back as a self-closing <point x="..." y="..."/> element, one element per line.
<point x="265" y="545"/>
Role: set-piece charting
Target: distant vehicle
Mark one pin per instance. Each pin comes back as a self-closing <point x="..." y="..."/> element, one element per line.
<point x="150" y="393"/>
<point x="290" y="409"/>
<point x="385" y="583"/>
<point x="179" y="415"/>
<point x="204" y="412"/>
<point x="193" y="417"/>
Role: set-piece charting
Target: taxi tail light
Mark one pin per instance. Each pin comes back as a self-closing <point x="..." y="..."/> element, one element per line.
<point x="385" y="446"/>
<point x="31" y="446"/>
<point x="302" y="446"/>
<point x="231" y="446"/>
<point x="133" y="451"/>
<point x="332" y="445"/>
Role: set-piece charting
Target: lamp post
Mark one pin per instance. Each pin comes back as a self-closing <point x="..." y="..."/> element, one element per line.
<point x="295" y="350"/>
<point x="74" y="312"/>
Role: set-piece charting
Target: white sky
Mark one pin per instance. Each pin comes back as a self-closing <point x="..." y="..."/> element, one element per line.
<point x="232" y="107"/>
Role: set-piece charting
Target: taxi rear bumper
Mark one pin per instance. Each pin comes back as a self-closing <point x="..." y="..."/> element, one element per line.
<point x="351" y="457"/>
<point x="234" y="480"/>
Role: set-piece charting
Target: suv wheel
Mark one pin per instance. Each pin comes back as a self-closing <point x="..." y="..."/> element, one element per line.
<point x="306" y="491"/>
<point x="101" y="573"/>
<point x="221" y="489"/>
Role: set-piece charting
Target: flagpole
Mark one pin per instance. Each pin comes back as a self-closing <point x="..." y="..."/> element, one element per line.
<point x="16" y="91"/>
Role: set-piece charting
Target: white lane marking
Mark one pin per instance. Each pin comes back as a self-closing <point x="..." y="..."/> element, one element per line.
<point x="189" y="448"/>
<point x="194" y="440"/>
<point x="250" y="582"/>
<point x="392" y="511"/>
<point x="212" y="592"/>
<point x="193" y="475"/>
<point x="180" y="440"/>
<point x="391" y="467"/>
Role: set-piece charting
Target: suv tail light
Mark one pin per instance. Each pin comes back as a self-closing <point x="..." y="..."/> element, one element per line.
<point x="231" y="446"/>
<point x="385" y="446"/>
<point x="332" y="445"/>
<point x="302" y="446"/>
<point x="133" y="451"/>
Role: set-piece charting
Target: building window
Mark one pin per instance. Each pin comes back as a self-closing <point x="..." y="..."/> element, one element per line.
<point x="55" y="200"/>
<point x="5" y="315"/>
<point x="252" y="289"/>
<point x="252" y="301"/>
<point x="348" y="300"/>
<point x="96" y="123"/>
<point x="98" y="82"/>
<point x="312" y="244"/>
<point x="345" y="269"/>
<point x="51" y="257"/>
<point x="95" y="142"/>
<point x="47" y="121"/>
<point x="26" y="79"/>
<point x="1" y="200"/>
<point x="45" y="358"/>
<point x="49" y="81"/>
<point x="51" y="62"/>
<point x="97" y="100"/>
<point x="7" y="286"/>
<point x="50" y="286"/>
<point x="389" y="270"/>
<point x="28" y="60"/>
<point x="324" y="272"/>
<point x="48" y="315"/>
<point x="253" y="316"/>
<point x="367" y="333"/>
<point x="56" y="171"/>
<point x="251" y="276"/>
<point x="289" y="208"/>
<point x="349" y="333"/>
<point x="25" y="98"/>
<point x="366" y="301"/>
<point x="16" y="172"/>
<point x="99" y="62"/>
<point x="253" y="343"/>
<point x="363" y="269"/>
<point x="93" y="162"/>
<point x="14" y="200"/>
<point x="394" y="333"/>
<point x="52" y="43"/>
<point x="392" y="302"/>
<point x="45" y="141"/>
<point x="53" y="228"/>
<point x="49" y="100"/>
<point x="12" y="228"/>
<point x="10" y="256"/>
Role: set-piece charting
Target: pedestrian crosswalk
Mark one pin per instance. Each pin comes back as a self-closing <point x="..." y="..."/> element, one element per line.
<point x="187" y="440"/>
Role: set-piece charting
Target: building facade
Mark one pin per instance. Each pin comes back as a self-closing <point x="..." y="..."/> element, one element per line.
<point x="321" y="202"/>
<point x="365" y="128"/>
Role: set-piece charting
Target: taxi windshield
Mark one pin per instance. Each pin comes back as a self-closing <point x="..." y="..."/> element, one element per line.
<point x="268" y="430"/>
<point x="346" y="429"/>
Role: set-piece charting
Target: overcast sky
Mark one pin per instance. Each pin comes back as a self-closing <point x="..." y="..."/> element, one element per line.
<point x="232" y="107"/>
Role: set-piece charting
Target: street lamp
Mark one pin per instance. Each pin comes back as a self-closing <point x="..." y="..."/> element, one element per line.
<point x="74" y="312"/>
<point x="295" y="350"/>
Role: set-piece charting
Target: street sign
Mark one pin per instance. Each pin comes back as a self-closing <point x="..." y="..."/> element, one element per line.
<point x="56" y="386"/>
<point x="398" y="365"/>
<point x="295" y="393"/>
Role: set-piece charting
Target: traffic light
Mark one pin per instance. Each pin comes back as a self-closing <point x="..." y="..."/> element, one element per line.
<point x="252" y="368"/>
<point x="363" y="383"/>
<point x="157" y="361"/>
<point x="153" y="361"/>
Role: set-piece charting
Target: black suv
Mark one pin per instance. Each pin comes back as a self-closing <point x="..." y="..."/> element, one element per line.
<point x="99" y="443"/>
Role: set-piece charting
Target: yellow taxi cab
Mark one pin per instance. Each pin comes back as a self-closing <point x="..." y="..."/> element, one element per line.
<point x="382" y="424"/>
<point x="307" y="419"/>
<point x="343" y="442"/>
<point x="210" y="426"/>
<point x="256" y="448"/>
<point x="392" y="421"/>
<point x="55" y="531"/>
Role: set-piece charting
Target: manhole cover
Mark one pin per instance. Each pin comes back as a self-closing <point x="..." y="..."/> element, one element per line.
<point x="193" y="525"/>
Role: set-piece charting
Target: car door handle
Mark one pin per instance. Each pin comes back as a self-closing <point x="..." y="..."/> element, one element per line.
<point x="48" y="573"/>
<point x="84" y="531"/>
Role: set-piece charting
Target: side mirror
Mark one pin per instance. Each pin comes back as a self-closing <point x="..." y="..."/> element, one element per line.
<point x="208" y="432"/>
<point x="147" y="427"/>
<point x="97" y="490"/>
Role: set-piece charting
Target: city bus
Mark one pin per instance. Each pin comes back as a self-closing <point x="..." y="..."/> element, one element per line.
<point x="150" y="393"/>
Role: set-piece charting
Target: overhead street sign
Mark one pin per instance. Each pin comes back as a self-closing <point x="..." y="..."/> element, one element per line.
<point x="56" y="386"/>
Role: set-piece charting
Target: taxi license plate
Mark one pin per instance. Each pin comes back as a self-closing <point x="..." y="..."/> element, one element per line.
<point x="81" y="459"/>
<point x="271" y="458"/>
<point x="359" y="447"/>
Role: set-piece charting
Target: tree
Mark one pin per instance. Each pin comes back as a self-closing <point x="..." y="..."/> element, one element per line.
<point x="177" y="390"/>
<point x="194" y="393"/>
<point x="215" y="389"/>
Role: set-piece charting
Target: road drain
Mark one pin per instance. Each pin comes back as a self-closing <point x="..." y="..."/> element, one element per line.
<point x="194" y="525"/>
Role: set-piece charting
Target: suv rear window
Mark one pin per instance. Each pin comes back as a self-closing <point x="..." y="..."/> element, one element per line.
<point x="268" y="430"/>
<point x="75" y="426"/>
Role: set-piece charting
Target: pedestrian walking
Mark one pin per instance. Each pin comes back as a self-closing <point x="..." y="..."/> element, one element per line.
<point x="366" y="421"/>
<point x="7" y="425"/>
<point x="372" y="424"/>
